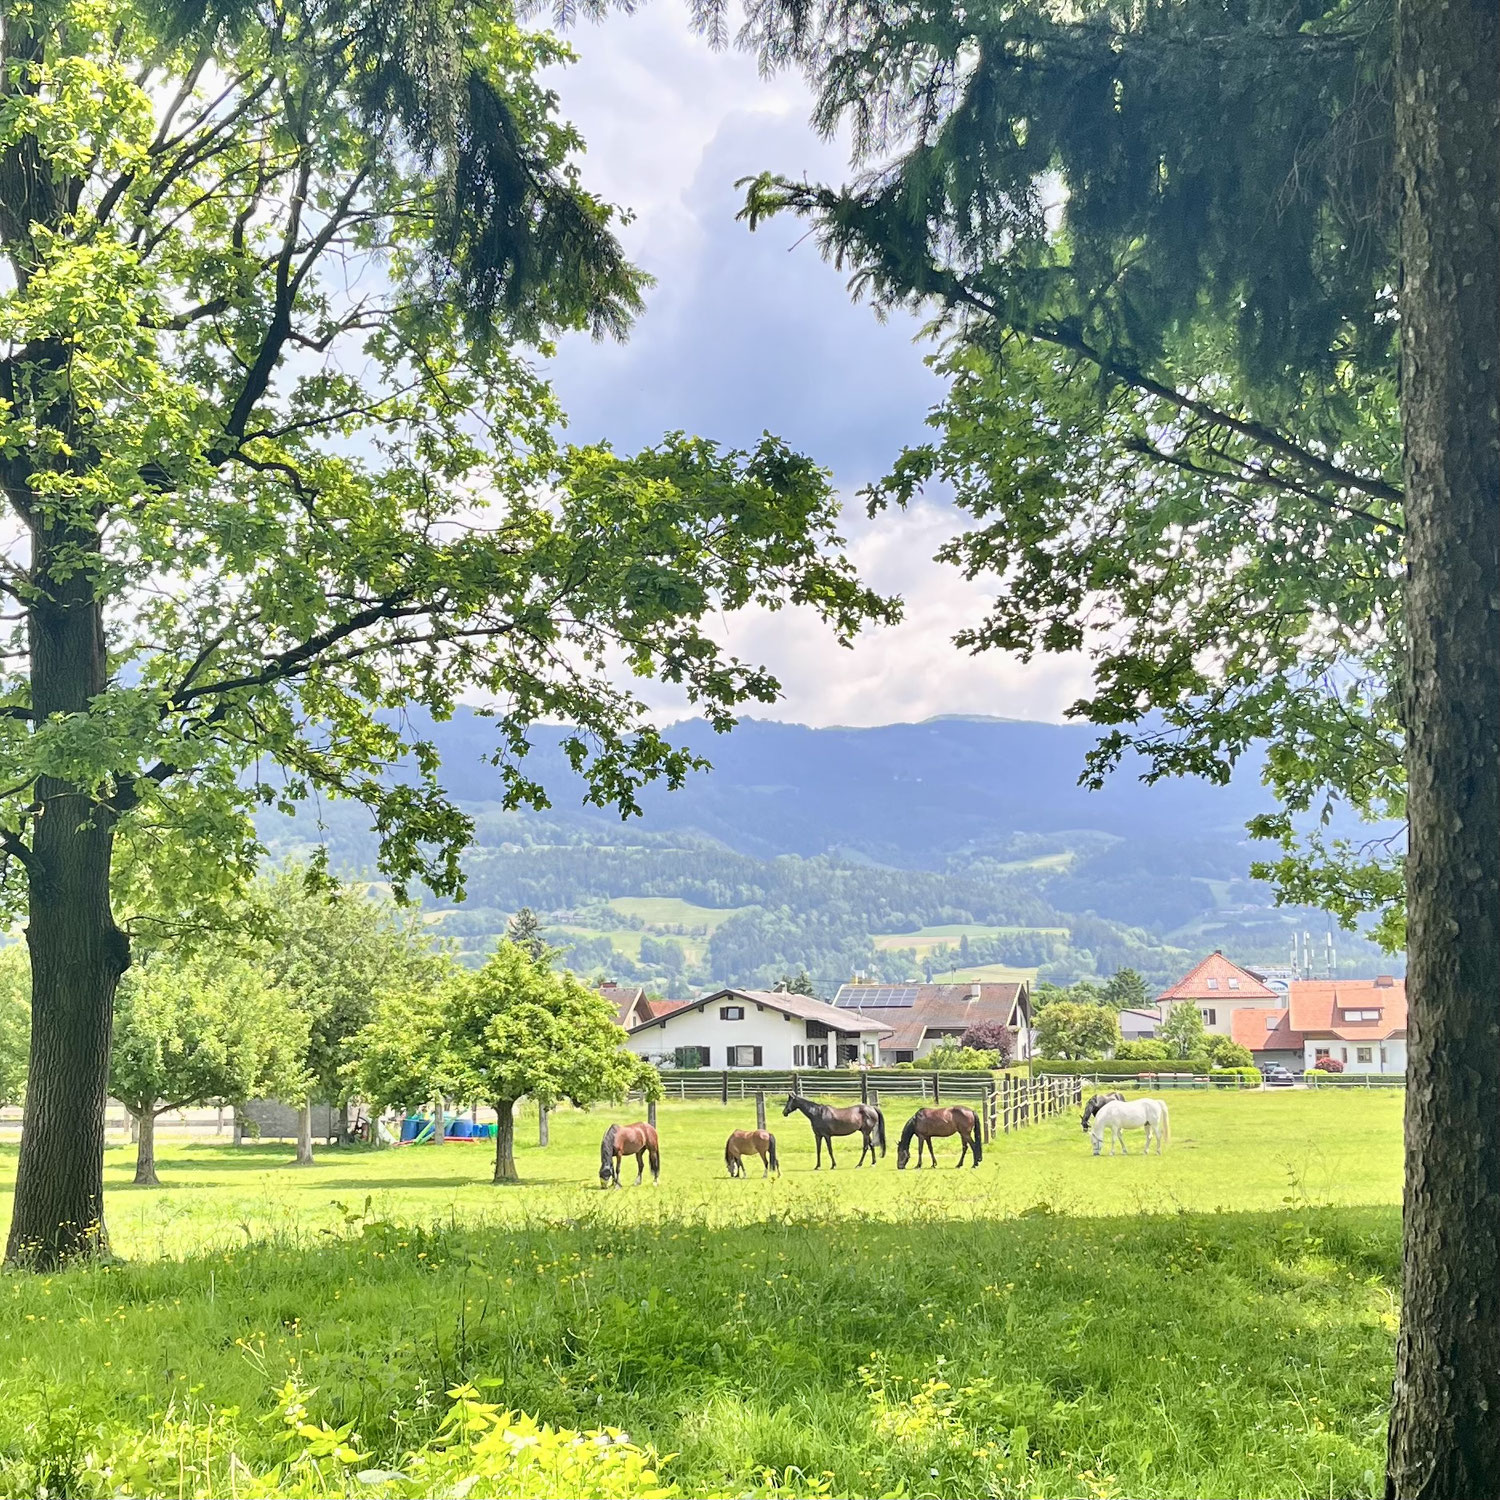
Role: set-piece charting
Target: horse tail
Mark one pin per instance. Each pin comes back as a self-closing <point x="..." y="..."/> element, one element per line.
<point x="1166" y="1122"/>
<point x="653" y="1146"/>
<point x="974" y="1142"/>
<point x="607" y="1150"/>
<point x="880" y="1128"/>
<point x="771" y="1139"/>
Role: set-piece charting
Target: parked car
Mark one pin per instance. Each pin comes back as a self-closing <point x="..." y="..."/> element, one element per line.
<point x="1274" y="1076"/>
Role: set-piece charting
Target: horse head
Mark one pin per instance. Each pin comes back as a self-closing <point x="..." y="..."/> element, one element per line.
<point x="792" y="1101"/>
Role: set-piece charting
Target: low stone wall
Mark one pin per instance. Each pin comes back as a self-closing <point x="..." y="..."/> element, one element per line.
<point x="271" y="1120"/>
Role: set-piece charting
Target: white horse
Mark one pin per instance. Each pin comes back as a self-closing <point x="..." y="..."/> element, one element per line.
<point x="1119" y="1116"/>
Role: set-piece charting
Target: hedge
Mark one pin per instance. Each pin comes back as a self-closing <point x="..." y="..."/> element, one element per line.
<point x="1113" y="1067"/>
<point x="1248" y="1078"/>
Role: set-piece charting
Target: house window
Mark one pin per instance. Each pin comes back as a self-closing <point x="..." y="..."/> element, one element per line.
<point x="847" y="1052"/>
<point x="1319" y="1052"/>
<point x="731" y="1012"/>
<point x="1345" y="1052"/>
<point x="744" y="1057"/>
<point x="905" y="1054"/>
<point x="1210" y="1017"/>
<point x="1364" y="1054"/>
<point x="1213" y="984"/>
<point x="799" y="1057"/>
<point x="817" y="1057"/>
<point x="1382" y="1057"/>
<point x="691" y="1057"/>
<point x="817" y="1030"/>
<point x="1272" y="1022"/>
<point x="1234" y="984"/>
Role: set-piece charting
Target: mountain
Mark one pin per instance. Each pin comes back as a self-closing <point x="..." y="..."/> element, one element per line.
<point x="953" y="845"/>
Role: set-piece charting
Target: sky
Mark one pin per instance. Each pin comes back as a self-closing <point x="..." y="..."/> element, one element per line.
<point x="745" y="333"/>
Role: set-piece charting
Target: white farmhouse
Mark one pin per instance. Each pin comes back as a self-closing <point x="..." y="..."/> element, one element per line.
<point x="756" y="1029"/>
<point x="1219" y="988"/>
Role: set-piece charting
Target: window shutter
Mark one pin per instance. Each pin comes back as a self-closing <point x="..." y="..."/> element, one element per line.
<point x="758" y="1055"/>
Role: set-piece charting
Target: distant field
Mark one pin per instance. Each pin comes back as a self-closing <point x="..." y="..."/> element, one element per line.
<point x="987" y="974"/>
<point x="1214" y="1322"/>
<point x="927" y="938"/>
<point x="670" y="911"/>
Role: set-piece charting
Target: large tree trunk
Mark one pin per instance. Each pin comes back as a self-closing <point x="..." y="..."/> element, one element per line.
<point x="145" y="1150"/>
<point x="505" y="1141"/>
<point x="304" y="1134"/>
<point x="77" y="951"/>
<point x="1445" y="1416"/>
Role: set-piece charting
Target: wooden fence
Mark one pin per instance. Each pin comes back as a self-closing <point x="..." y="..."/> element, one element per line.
<point x="1004" y="1101"/>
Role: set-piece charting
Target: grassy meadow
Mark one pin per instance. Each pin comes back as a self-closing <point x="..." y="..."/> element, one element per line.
<point x="1218" y="1321"/>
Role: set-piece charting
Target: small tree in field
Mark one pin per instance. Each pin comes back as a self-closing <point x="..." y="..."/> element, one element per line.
<point x="1126" y="990"/>
<point x="15" y="1022"/>
<point x="990" y="1036"/>
<point x="199" y="1031"/>
<point x="1224" y="1053"/>
<point x="1067" y="1029"/>
<point x="1184" y="1032"/>
<point x="517" y="1030"/>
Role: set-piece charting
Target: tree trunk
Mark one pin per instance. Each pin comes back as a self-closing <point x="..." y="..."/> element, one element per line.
<point x="1445" y="1414"/>
<point x="505" y="1141"/>
<point x="77" y="952"/>
<point x="145" y="1150"/>
<point x="304" y="1134"/>
<point x="542" y="1117"/>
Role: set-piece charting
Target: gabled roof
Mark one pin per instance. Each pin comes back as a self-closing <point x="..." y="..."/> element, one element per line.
<point x="1229" y="982"/>
<point x="1321" y="1007"/>
<point x="803" y="1007"/>
<point x="1251" y="1026"/>
<point x="913" y="1010"/>
<point x="626" y="999"/>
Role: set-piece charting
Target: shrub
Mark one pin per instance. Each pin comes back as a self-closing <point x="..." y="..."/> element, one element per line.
<point x="1115" y="1068"/>
<point x="1328" y="1065"/>
<point x="1144" y="1050"/>
<point x="1225" y="1053"/>
<point x="1247" y="1078"/>
<point x="948" y="1058"/>
<point x="990" y="1036"/>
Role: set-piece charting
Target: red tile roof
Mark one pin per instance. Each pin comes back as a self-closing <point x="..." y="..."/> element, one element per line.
<point x="626" y="999"/>
<point x="1194" y="985"/>
<point x="1248" y="1026"/>
<point x="1320" y="1007"/>
<point x="803" y="1007"/>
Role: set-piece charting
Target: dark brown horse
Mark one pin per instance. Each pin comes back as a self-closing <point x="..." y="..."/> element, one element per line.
<point x="639" y="1141"/>
<point x="828" y="1122"/>
<point x="1096" y="1103"/>
<point x="743" y="1143"/>
<point x="927" y="1123"/>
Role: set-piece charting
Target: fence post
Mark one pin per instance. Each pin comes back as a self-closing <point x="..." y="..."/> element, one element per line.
<point x="796" y="1083"/>
<point x="760" y="1109"/>
<point x="651" y="1113"/>
<point x="937" y="1097"/>
<point x="724" y="1087"/>
<point x="541" y="1125"/>
<point x="864" y="1087"/>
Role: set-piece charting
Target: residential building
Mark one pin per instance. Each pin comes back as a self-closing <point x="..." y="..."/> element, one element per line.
<point x="735" y="1028"/>
<point x="1138" y="1025"/>
<point x="1218" y="988"/>
<point x="1359" y="1022"/>
<point x="917" y="1017"/>
<point x="633" y="1005"/>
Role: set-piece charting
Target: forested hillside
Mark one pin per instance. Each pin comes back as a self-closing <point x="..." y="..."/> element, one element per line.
<point x="956" y="846"/>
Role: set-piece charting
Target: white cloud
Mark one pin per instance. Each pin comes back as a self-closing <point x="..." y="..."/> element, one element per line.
<point x="751" y="332"/>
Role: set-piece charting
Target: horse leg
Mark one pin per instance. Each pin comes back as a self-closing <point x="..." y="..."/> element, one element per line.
<point x="865" y="1144"/>
<point x="640" y="1167"/>
<point x="931" y="1154"/>
<point x="963" y="1146"/>
<point x="819" y="1140"/>
<point x="615" y="1173"/>
<point x="832" y="1164"/>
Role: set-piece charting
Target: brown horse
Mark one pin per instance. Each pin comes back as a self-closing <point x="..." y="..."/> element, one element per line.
<point x="927" y="1123"/>
<point x="742" y="1143"/>
<point x="638" y="1140"/>
<point x="828" y="1122"/>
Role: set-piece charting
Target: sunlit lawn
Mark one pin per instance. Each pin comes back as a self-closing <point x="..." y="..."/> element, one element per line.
<point x="1214" y="1322"/>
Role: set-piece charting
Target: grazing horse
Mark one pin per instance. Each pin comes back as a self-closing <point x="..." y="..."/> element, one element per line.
<point x="927" y="1123"/>
<point x="639" y="1141"/>
<point x="1118" y="1116"/>
<point x="744" y="1143"/>
<point x="1097" y="1103"/>
<point x="827" y="1122"/>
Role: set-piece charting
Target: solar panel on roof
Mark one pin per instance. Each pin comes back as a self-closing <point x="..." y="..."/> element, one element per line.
<point x="876" y="996"/>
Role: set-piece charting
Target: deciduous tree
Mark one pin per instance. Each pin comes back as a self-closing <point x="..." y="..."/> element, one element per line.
<point x="281" y="470"/>
<point x="15" y="1022"/>
<point x="1183" y="1030"/>
<point x="517" y="1030"/>
<point x="206" y="1029"/>
<point x="1068" y="1029"/>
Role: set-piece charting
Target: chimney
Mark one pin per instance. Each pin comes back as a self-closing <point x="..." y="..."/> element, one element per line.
<point x="1384" y="982"/>
<point x="974" y="992"/>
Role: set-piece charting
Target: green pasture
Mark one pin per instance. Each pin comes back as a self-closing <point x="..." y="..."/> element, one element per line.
<point x="1218" y="1321"/>
<point x="663" y="912"/>
<point x="925" y="939"/>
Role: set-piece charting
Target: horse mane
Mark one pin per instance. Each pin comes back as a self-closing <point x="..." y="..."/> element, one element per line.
<point x="607" y="1148"/>
<point x="911" y="1129"/>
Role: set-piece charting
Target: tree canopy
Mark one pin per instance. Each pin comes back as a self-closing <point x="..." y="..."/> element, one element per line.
<point x="1067" y="1028"/>
<point x="1160" y="243"/>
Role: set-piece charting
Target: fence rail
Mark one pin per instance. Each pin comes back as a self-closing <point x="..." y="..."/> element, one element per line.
<point x="1004" y="1101"/>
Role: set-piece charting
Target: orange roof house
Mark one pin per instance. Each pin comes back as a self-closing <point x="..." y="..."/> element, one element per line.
<point x="1217" y="979"/>
<point x="1320" y="1013"/>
